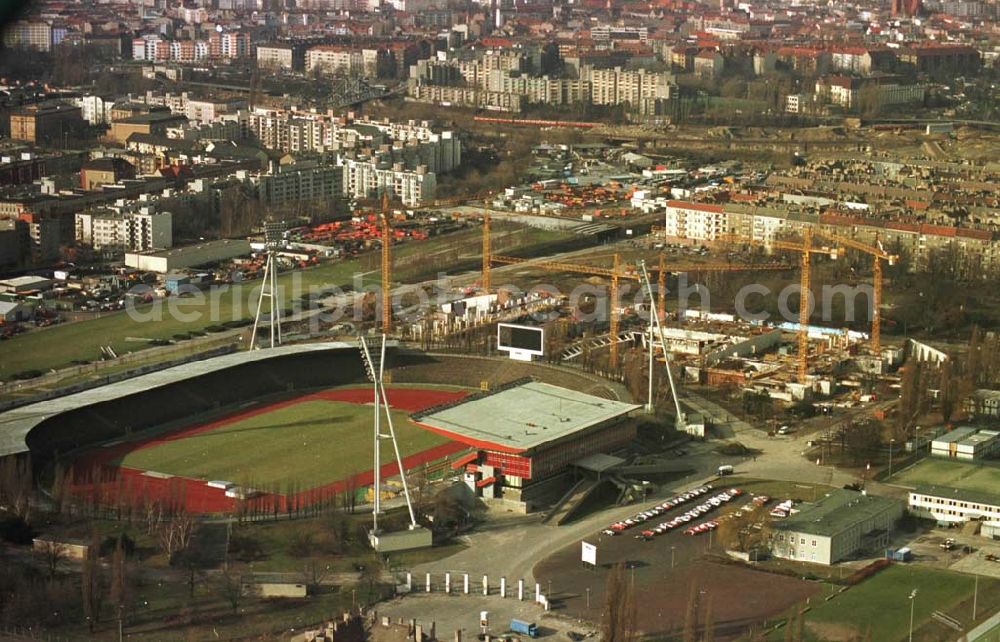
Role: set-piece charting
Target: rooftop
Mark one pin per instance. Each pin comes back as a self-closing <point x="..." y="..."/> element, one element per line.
<point x="835" y="513"/>
<point x="959" y="494"/>
<point x="522" y="417"/>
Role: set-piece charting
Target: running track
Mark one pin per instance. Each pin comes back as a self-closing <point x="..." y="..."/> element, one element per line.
<point x="114" y="483"/>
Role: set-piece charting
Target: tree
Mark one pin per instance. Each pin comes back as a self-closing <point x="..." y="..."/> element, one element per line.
<point x="947" y="389"/>
<point x="691" y="616"/>
<point x="175" y="532"/>
<point x="229" y="585"/>
<point x="91" y="584"/>
<point x="119" y="590"/>
<point x="52" y="553"/>
<point x="618" y="618"/>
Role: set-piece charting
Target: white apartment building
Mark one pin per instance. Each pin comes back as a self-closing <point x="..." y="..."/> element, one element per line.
<point x="633" y="86"/>
<point x="25" y="34"/>
<point x="276" y="56"/>
<point x="695" y="221"/>
<point x="369" y="178"/>
<point x="95" y="109"/>
<point x="130" y="232"/>
<point x="332" y="59"/>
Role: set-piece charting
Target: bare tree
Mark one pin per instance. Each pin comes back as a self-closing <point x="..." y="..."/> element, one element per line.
<point x="691" y="616"/>
<point x="314" y="574"/>
<point x="91" y="584"/>
<point x="52" y="553"/>
<point x="175" y="532"/>
<point x="618" y="618"/>
<point x="229" y="585"/>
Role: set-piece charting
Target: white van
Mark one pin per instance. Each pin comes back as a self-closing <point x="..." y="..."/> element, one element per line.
<point x="725" y="470"/>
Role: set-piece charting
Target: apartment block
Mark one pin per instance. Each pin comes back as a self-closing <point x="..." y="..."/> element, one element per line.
<point x="125" y="232"/>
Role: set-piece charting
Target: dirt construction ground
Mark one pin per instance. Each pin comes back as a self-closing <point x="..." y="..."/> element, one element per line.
<point x="738" y="595"/>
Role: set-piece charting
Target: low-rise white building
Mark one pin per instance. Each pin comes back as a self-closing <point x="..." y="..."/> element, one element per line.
<point x="967" y="443"/>
<point x="946" y="504"/>
<point x="837" y="526"/>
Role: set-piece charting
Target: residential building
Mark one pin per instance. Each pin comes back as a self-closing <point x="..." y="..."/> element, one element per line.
<point x="371" y="177"/>
<point x="28" y="34"/>
<point x="275" y="56"/>
<point x="150" y="123"/>
<point x="125" y="232"/>
<point x="695" y="221"/>
<point x="52" y="123"/>
<point x="105" y="171"/>
<point x="618" y="86"/>
<point x="836" y="527"/>
<point x="983" y="403"/>
<point x="300" y="182"/>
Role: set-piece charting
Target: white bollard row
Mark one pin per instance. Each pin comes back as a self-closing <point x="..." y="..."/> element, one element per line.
<point x="540" y="598"/>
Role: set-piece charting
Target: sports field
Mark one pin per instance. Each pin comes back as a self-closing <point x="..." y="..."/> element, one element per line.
<point x="882" y="602"/>
<point x="310" y="443"/>
<point x="951" y="473"/>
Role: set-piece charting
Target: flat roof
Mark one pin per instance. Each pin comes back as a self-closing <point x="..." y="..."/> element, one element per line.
<point x="836" y="512"/>
<point x="956" y="435"/>
<point x="958" y="494"/>
<point x="15" y="424"/>
<point x="522" y="417"/>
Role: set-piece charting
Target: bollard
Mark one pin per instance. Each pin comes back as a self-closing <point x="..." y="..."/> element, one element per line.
<point x="538" y="591"/>
<point x="486" y="585"/>
<point x="428" y="582"/>
<point x="409" y="581"/>
<point x="520" y="589"/>
<point x="447" y="583"/>
<point x="458" y="635"/>
<point x="465" y="582"/>
<point x="503" y="587"/>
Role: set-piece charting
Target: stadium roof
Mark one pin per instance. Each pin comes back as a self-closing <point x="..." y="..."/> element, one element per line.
<point x="522" y="417"/>
<point x="840" y="510"/>
<point x="17" y="423"/>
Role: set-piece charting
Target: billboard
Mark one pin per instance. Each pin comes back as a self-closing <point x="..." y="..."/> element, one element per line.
<point x="588" y="553"/>
<point x="520" y="341"/>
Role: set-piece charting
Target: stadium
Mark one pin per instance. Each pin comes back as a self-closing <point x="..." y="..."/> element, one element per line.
<point x="289" y="425"/>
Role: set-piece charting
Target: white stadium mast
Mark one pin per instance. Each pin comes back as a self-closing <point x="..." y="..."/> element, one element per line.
<point x="374" y="367"/>
<point x="273" y="242"/>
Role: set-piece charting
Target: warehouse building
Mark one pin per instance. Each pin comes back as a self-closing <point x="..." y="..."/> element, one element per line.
<point x="527" y="433"/>
<point x="189" y="256"/>
<point x="842" y="523"/>
<point x="966" y="442"/>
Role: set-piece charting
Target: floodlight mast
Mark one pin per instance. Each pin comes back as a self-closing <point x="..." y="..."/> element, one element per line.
<point x="375" y="371"/>
<point x="680" y="422"/>
<point x="273" y="242"/>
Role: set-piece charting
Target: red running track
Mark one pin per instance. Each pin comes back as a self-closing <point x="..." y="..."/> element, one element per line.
<point x="94" y="477"/>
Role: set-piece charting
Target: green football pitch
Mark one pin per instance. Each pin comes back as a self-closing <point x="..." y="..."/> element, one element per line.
<point x="308" y="444"/>
<point x="951" y="473"/>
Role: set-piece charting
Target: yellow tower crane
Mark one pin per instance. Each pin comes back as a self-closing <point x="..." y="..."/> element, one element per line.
<point x="386" y="266"/>
<point x="617" y="272"/>
<point x="807" y="249"/>
<point x="878" y="255"/>
<point x="487" y="252"/>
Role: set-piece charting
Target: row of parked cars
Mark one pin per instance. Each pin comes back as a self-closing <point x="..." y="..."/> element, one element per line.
<point x="657" y="510"/>
<point x="707" y="506"/>
<point x="712" y="524"/>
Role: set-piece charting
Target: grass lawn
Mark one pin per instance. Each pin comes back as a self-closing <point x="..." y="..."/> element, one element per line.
<point x="309" y="443"/>
<point x="57" y="346"/>
<point x="944" y="472"/>
<point x="883" y="603"/>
